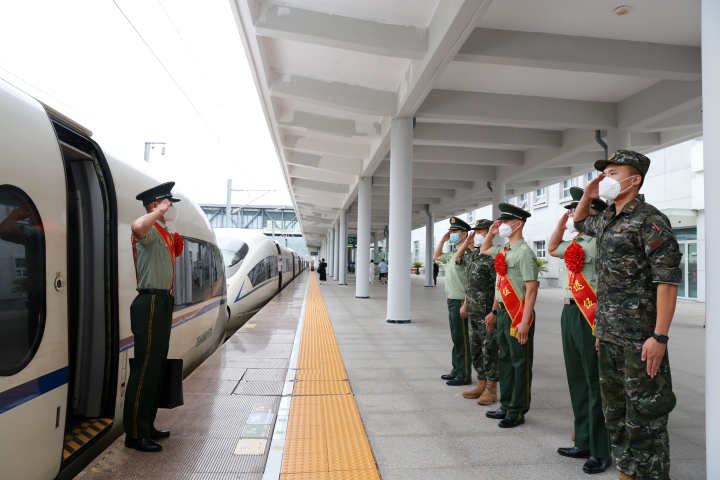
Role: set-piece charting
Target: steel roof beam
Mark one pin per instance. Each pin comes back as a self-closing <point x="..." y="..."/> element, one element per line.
<point x="289" y="23"/>
<point x="485" y="136"/>
<point x="353" y="98"/>
<point x="349" y="166"/>
<point x="324" y="146"/>
<point x="451" y="106"/>
<point x="582" y="54"/>
<point x="662" y="101"/>
<point x="467" y="156"/>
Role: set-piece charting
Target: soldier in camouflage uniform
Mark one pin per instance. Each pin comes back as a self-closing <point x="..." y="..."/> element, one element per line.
<point x="479" y="294"/>
<point x="638" y="273"/>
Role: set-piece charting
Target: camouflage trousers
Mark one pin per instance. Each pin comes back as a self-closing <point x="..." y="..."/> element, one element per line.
<point x="483" y="345"/>
<point x="636" y="410"/>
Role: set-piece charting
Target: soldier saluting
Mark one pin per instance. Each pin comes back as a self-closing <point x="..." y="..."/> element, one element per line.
<point x="638" y="276"/>
<point x="154" y="251"/>
<point x="578" y="338"/>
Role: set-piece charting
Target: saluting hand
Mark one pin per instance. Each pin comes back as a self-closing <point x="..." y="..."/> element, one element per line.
<point x="563" y="221"/>
<point x="592" y="188"/>
<point x="162" y="206"/>
<point x="653" y="353"/>
<point x="446" y="237"/>
<point x="495" y="226"/>
<point x="470" y="237"/>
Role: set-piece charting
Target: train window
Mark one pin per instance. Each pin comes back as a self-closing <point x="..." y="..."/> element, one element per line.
<point x="233" y="251"/>
<point x="199" y="273"/>
<point x="22" y="285"/>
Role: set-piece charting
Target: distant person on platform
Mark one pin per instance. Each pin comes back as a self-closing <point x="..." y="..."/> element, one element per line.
<point x="455" y="278"/>
<point x="322" y="270"/>
<point x="371" y="272"/>
<point x="383" y="271"/>
<point x="154" y="251"/>
<point x="436" y="271"/>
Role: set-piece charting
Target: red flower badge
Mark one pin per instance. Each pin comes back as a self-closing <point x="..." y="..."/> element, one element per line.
<point x="574" y="258"/>
<point x="500" y="264"/>
<point x="178" y="244"/>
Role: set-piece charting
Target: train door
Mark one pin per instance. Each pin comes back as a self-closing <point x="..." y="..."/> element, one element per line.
<point x="293" y="263"/>
<point x="33" y="295"/>
<point x="91" y="285"/>
<point x="280" y="267"/>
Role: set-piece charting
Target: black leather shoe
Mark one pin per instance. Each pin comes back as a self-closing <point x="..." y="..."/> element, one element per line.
<point x="573" y="452"/>
<point x="156" y="434"/>
<point x="143" y="444"/>
<point x="498" y="414"/>
<point x="456" y="382"/>
<point x="448" y="376"/>
<point x="508" y="423"/>
<point x="596" y="465"/>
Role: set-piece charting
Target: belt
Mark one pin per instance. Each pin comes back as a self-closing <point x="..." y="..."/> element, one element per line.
<point x="569" y="301"/>
<point x="153" y="291"/>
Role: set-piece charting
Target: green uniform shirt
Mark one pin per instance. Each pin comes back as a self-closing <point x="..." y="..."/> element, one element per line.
<point x="154" y="263"/>
<point x="588" y="270"/>
<point x="455" y="275"/>
<point x="521" y="266"/>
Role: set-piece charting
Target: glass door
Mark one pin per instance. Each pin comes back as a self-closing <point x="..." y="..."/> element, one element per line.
<point x="688" y="266"/>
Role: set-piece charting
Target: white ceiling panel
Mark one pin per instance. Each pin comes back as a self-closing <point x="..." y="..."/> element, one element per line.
<point x="397" y="12"/>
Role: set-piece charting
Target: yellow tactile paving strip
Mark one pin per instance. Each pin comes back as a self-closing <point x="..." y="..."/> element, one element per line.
<point x="325" y="438"/>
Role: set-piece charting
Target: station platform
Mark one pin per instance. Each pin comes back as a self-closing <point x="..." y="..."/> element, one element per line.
<point x="353" y="397"/>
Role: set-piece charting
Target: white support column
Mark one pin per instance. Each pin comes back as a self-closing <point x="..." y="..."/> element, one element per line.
<point x="710" y="28"/>
<point x="617" y="139"/>
<point x="429" y="246"/>
<point x="342" y="249"/>
<point x="401" y="149"/>
<point x="362" y="265"/>
<point x="331" y="254"/>
<point x="336" y="252"/>
<point x="499" y="197"/>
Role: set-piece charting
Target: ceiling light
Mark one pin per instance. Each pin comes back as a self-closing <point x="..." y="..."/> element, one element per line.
<point x="622" y="10"/>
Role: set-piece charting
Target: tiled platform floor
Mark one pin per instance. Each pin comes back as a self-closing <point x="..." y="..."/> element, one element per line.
<point x="231" y="402"/>
<point x="419" y="428"/>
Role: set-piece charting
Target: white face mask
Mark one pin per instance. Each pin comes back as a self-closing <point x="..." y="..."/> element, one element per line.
<point x="505" y="230"/>
<point x="610" y="188"/>
<point x="570" y="225"/>
<point x="171" y="214"/>
<point x="478" y="240"/>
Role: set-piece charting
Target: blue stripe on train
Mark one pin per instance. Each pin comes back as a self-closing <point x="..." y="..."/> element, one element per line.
<point x="15" y="396"/>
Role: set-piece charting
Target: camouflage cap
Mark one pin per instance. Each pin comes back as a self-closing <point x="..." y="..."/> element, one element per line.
<point x="626" y="157"/>
<point x="509" y="211"/>
<point x="482" y="224"/>
<point x="458" y="224"/>
<point x="576" y="193"/>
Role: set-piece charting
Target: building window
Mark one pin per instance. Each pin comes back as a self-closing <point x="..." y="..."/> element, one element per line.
<point x="22" y="295"/>
<point x="540" y="251"/>
<point x="416" y="251"/>
<point x="522" y="200"/>
<point x="540" y="196"/>
<point x="565" y="193"/>
<point x="591" y="176"/>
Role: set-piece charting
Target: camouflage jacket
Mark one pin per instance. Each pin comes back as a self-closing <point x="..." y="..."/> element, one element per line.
<point x="480" y="284"/>
<point x="636" y="250"/>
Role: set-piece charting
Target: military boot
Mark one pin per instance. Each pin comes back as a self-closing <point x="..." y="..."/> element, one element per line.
<point x="625" y="476"/>
<point x="489" y="396"/>
<point x="477" y="391"/>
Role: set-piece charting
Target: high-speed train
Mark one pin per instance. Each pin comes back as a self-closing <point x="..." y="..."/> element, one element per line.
<point x="67" y="280"/>
<point x="256" y="268"/>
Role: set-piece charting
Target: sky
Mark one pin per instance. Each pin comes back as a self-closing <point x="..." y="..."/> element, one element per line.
<point x="136" y="71"/>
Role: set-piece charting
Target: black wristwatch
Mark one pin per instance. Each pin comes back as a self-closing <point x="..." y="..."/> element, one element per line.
<point x="661" y="338"/>
<point x="494" y="312"/>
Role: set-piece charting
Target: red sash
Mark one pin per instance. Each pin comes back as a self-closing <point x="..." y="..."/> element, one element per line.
<point x="174" y="244"/>
<point x="580" y="288"/>
<point x="514" y="306"/>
